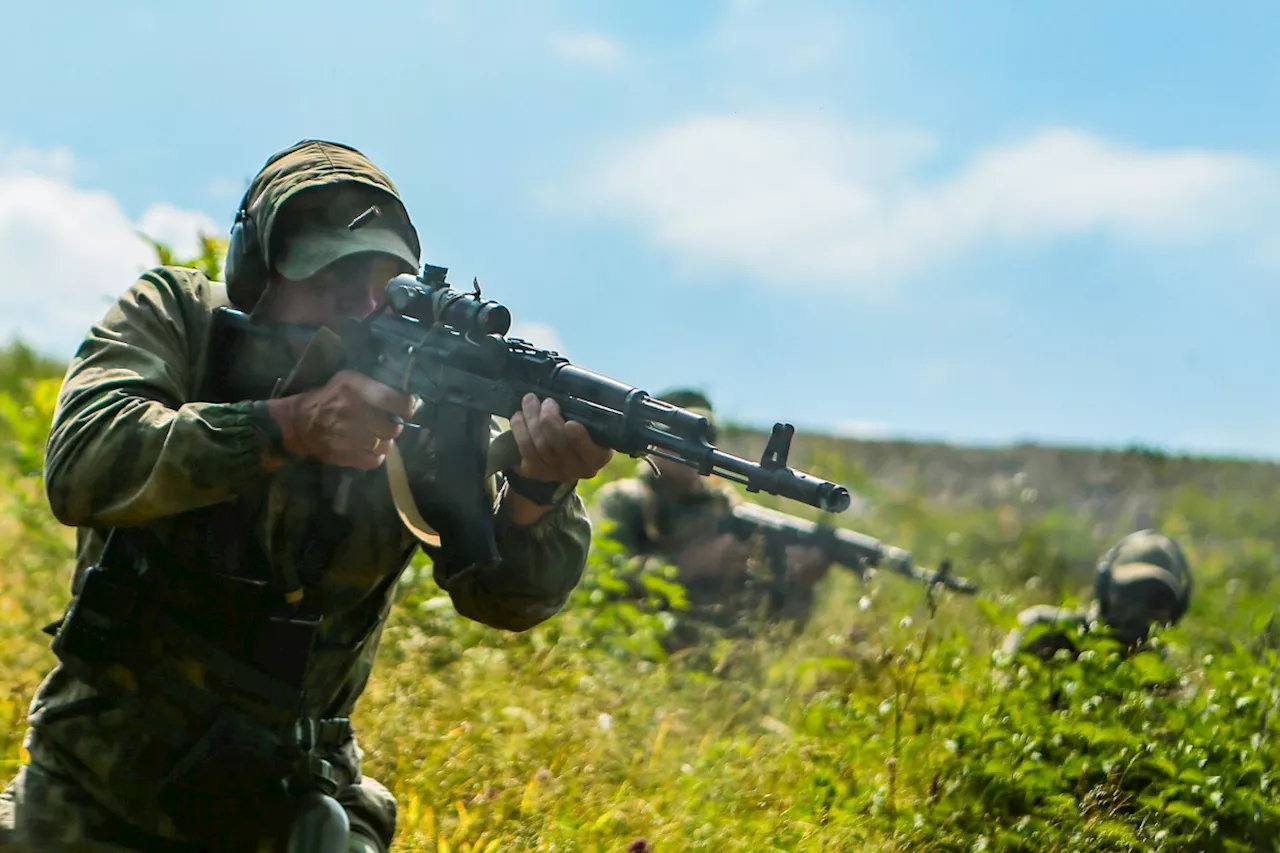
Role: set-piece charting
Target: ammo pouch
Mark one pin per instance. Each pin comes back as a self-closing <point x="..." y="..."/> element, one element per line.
<point x="98" y="623"/>
<point x="240" y="784"/>
<point x="228" y="792"/>
<point x="238" y="779"/>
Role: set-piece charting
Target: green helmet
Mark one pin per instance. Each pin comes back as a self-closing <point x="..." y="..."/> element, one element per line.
<point x="694" y="401"/>
<point x="1145" y="578"/>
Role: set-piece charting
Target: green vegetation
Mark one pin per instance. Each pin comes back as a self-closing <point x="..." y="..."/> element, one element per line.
<point x="888" y="724"/>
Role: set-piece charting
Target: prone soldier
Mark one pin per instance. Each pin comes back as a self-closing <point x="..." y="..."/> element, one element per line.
<point x="669" y="512"/>
<point x="1144" y="580"/>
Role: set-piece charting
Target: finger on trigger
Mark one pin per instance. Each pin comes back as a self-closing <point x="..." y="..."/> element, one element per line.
<point x="380" y="425"/>
<point x="385" y="397"/>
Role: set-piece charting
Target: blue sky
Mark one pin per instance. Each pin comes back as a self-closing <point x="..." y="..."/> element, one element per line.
<point x="979" y="222"/>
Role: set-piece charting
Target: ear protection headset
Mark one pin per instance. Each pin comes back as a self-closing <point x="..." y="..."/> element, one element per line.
<point x="1102" y="582"/>
<point x="247" y="268"/>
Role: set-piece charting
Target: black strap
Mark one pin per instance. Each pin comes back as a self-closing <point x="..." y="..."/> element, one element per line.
<point x="236" y="674"/>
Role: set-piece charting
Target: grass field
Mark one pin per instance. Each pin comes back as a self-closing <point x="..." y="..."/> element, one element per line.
<point x="889" y="724"/>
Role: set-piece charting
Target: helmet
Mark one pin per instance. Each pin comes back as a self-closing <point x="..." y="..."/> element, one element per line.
<point x="1143" y="579"/>
<point x="329" y="184"/>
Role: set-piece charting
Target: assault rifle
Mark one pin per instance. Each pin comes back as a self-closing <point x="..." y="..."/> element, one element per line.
<point x="448" y="348"/>
<point x="855" y="551"/>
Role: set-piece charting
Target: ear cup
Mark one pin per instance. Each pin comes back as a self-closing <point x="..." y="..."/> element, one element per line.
<point x="245" y="270"/>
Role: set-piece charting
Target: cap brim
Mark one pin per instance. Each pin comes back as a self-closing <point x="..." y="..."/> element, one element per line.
<point x="307" y="252"/>
<point x="1131" y="572"/>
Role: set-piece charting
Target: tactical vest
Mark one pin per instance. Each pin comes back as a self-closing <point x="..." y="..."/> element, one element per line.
<point x="192" y="628"/>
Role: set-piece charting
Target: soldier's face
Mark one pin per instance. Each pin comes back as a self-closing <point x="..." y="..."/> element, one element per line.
<point x="351" y="287"/>
<point x="1132" y="611"/>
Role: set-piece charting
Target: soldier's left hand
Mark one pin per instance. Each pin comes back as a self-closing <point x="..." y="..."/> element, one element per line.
<point x="551" y="448"/>
<point x="806" y="565"/>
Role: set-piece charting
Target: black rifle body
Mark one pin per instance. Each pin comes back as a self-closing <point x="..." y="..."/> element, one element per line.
<point x="855" y="551"/>
<point x="448" y="348"/>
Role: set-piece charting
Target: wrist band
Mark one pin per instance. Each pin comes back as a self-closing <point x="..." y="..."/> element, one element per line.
<point x="540" y="492"/>
<point x="270" y="436"/>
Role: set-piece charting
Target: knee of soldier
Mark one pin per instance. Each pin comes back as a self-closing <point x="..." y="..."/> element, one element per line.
<point x="371" y="808"/>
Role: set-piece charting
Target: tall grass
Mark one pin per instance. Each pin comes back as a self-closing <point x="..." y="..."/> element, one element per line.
<point x="889" y="723"/>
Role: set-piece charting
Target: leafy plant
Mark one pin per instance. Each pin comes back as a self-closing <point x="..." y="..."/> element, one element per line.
<point x="890" y="723"/>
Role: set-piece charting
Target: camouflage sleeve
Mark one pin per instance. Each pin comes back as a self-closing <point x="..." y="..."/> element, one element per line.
<point x="1043" y="631"/>
<point x="622" y="503"/>
<point x="128" y="445"/>
<point x="541" y="564"/>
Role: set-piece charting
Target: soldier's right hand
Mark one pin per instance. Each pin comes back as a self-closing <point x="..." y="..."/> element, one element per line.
<point x="348" y="421"/>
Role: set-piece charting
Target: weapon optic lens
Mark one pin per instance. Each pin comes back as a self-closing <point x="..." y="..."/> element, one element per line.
<point x="461" y="311"/>
<point x="493" y="319"/>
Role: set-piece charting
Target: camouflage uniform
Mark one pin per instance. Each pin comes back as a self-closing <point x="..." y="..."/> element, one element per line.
<point x="653" y="522"/>
<point x="1126" y="575"/>
<point x="1044" y="630"/>
<point x="138" y="445"/>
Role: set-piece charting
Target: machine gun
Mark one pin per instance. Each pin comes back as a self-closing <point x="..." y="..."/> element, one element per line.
<point x="855" y="551"/>
<point x="448" y="348"/>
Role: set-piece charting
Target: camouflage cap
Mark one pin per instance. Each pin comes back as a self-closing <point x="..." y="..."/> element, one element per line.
<point x="315" y="239"/>
<point x="315" y="230"/>
<point x="1149" y="555"/>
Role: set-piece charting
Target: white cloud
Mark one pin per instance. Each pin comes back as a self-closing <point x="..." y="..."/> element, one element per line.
<point x="65" y="252"/>
<point x="589" y="48"/>
<point x="805" y="199"/>
<point x="540" y="335"/>
<point x="52" y="162"/>
<point x="179" y="229"/>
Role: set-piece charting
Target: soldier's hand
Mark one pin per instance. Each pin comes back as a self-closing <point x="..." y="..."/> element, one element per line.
<point x="806" y="565"/>
<point x="551" y="448"/>
<point x="349" y="421"/>
<point x="723" y="555"/>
